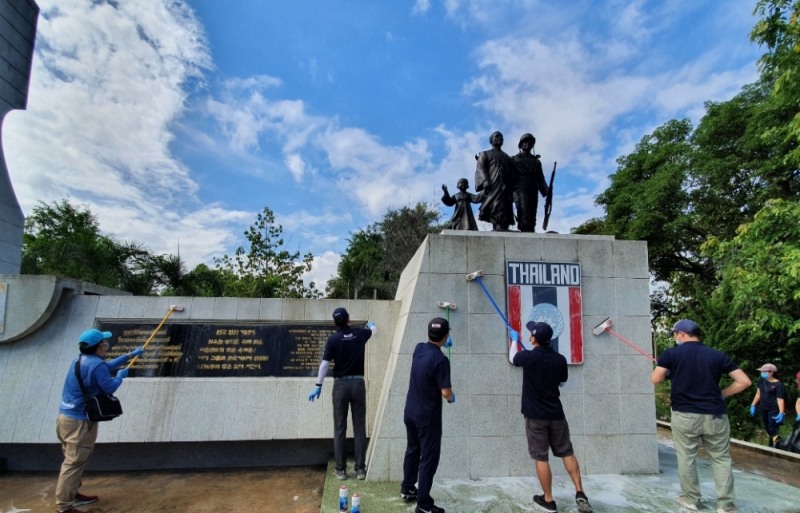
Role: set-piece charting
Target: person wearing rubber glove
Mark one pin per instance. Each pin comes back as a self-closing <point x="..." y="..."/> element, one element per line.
<point x="76" y="433"/>
<point x="771" y="396"/>
<point x="345" y="349"/>
<point x="429" y="383"/>
<point x="544" y="370"/>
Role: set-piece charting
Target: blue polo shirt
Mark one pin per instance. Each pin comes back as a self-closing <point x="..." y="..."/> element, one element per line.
<point x="430" y="373"/>
<point x="695" y="370"/>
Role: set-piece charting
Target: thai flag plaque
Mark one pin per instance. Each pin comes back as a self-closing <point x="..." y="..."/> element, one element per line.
<point x="547" y="292"/>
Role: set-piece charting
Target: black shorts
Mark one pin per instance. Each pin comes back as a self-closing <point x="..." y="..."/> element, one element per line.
<point x="544" y="435"/>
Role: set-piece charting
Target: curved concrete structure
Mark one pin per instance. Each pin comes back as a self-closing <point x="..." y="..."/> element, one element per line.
<point x="17" y="34"/>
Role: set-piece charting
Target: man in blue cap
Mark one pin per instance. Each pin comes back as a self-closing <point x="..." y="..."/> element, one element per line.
<point x="345" y="349"/>
<point x="698" y="411"/>
<point x="76" y="433"/>
<point x="544" y="370"/>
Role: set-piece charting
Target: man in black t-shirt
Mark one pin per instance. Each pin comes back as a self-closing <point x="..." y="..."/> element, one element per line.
<point x="345" y="349"/>
<point x="698" y="411"/>
<point x="429" y="383"/>
<point x="543" y="372"/>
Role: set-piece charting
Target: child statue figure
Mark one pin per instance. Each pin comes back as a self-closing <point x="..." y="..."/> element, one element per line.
<point x="463" y="218"/>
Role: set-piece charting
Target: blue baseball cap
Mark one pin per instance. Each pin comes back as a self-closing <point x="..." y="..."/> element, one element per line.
<point x="541" y="330"/>
<point x="687" y="326"/>
<point x="93" y="337"/>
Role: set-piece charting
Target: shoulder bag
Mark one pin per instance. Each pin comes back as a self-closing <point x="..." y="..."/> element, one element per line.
<point x="99" y="407"/>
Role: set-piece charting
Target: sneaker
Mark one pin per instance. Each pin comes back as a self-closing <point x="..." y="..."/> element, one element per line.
<point x="340" y="474"/>
<point x="361" y="474"/>
<point x="433" y="509"/>
<point x="408" y="494"/>
<point x="70" y="510"/>
<point x="684" y="502"/>
<point x="583" y="502"/>
<point x="730" y="508"/>
<point x="81" y="499"/>
<point x="543" y="505"/>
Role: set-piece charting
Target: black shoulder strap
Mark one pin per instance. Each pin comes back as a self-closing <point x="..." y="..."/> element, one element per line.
<point x="80" y="380"/>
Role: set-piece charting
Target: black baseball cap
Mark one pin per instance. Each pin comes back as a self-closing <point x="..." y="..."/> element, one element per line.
<point x="541" y="330"/>
<point x="340" y="314"/>
<point x="438" y="328"/>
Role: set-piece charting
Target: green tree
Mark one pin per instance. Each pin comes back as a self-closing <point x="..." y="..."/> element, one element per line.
<point x="779" y="30"/>
<point x="376" y="256"/>
<point x="359" y="272"/>
<point x="265" y="268"/>
<point x="62" y="239"/>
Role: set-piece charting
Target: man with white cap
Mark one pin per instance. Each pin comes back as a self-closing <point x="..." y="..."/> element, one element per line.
<point x="698" y="411"/>
<point x="74" y="429"/>
<point x="771" y="394"/>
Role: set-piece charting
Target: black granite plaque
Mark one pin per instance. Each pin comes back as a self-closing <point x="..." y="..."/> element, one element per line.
<point x="220" y="350"/>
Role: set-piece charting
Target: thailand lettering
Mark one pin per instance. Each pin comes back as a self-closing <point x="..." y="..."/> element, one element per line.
<point x="543" y="273"/>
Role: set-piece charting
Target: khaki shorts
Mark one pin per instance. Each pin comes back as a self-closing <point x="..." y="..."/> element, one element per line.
<point x="544" y="435"/>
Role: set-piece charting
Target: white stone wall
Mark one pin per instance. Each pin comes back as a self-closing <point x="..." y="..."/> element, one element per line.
<point x="608" y="400"/>
<point x="33" y="369"/>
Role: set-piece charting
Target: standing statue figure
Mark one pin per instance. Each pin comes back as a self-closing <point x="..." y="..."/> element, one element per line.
<point x="529" y="182"/>
<point x="494" y="175"/>
<point x="463" y="218"/>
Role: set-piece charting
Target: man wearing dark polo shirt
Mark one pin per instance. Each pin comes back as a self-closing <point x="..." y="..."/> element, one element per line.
<point x="699" y="415"/>
<point x="345" y="349"/>
<point x="546" y="427"/>
<point x="429" y="383"/>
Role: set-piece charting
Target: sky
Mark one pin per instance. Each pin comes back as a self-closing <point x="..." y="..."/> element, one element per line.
<point x="177" y="121"/>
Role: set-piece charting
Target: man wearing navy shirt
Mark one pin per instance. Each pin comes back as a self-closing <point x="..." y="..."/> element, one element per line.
<point x="698" y="411"/>
<point x="544" y="370"/>
<point x="429" y="383"/>
<point x="345" y="349"/>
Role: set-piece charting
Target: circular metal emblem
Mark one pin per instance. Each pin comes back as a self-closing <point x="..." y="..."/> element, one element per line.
<point x="545" y="312"/>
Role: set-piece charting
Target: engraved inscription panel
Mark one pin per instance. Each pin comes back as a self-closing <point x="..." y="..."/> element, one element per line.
<point x="220" y="350"/>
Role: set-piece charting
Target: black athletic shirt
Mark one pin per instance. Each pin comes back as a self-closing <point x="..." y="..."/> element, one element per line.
<point x="430" y="373"/>
<point x="345" y="349"/>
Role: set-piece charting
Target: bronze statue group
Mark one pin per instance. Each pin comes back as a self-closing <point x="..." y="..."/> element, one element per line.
<point x="508" y="189"/>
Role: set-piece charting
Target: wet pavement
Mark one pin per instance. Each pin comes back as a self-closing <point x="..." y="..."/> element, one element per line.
<point x="765" y="483"/>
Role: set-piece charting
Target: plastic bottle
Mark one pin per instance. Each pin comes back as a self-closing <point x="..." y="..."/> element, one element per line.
<point x="356" y="503"/>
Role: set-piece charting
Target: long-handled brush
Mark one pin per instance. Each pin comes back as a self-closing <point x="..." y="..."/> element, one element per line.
<point x="447" y="306"/>
<point x="606" y="326"/>
<point x="172" y="308"/>
<point x="477" y="276"/>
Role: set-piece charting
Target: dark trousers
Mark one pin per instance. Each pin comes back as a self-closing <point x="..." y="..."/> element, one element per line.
<point x="769" y="423"/>
<point x="350" y="394"/>
<point x="424" y="446"/>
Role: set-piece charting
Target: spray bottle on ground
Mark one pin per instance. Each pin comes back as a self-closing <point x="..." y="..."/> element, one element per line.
<point x="343" y="499"/>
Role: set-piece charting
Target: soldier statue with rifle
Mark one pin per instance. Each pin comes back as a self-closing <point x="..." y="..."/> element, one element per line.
<point x="528" y="182"/>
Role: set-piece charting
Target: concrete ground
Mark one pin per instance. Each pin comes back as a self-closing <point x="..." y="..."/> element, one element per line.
<point x="765" y="483"/>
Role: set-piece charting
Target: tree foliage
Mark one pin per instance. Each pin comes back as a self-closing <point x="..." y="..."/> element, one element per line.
<point x="265" y="268"/>
<point x="376" y="256"/>
<point x="719" y="206"/>
<point x="65" y="240"/>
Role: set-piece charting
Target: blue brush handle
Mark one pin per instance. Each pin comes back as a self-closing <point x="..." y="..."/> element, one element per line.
<point x="480" y="282"/>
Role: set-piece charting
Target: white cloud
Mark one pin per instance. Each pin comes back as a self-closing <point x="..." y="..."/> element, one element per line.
<point x="108" y="86"/>
<point x="323" y="268"/>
